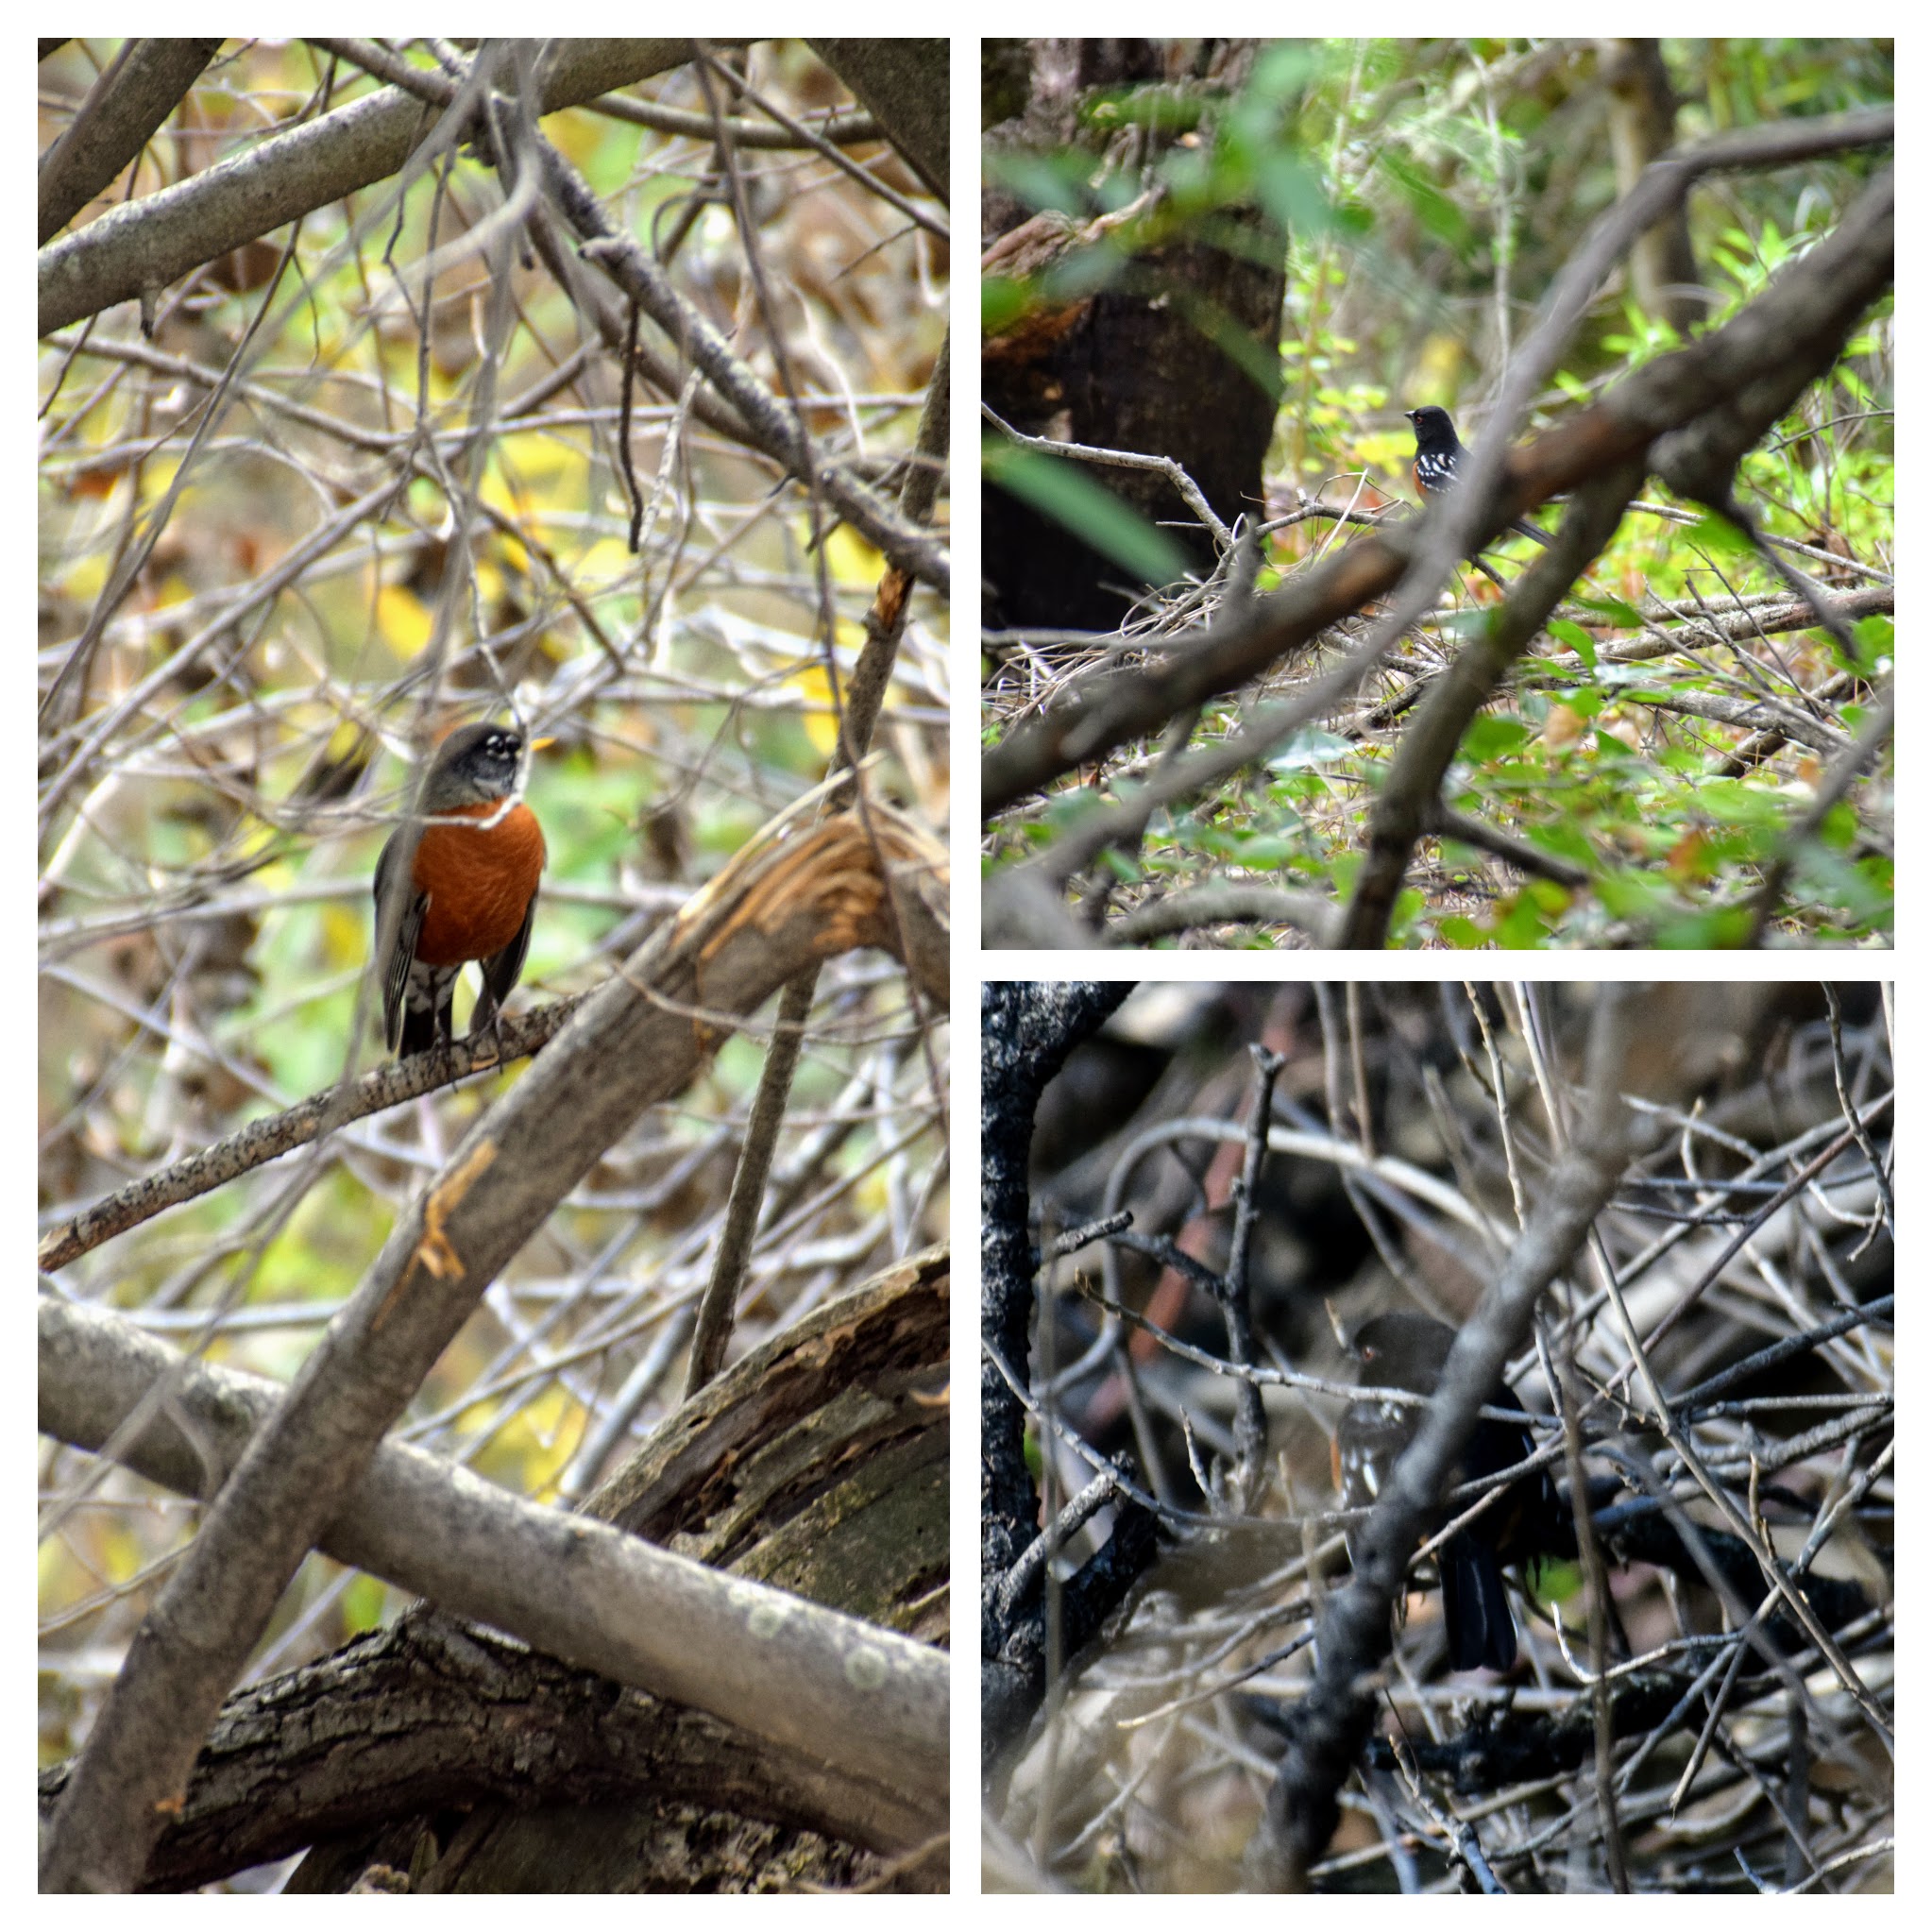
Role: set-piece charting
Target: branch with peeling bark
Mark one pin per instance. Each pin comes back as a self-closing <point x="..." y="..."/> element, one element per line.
<point x="781" y="905"/>
<point x="148" y="243"/>
<point x="863" y="1373"/>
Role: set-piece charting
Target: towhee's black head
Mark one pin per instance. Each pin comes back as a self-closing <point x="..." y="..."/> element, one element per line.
<point x="1433" y="429"/>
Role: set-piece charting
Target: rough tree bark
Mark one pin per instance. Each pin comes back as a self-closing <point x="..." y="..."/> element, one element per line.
<point x="451" y="1759"/>
<point x="1135" y="366"/>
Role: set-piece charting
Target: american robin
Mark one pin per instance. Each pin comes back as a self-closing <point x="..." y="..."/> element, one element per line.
<point x="1401" y="1350"/>
<point x="1439" y="454"/>
<point x="472" y="889"/>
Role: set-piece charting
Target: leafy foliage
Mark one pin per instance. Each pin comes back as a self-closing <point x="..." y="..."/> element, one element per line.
<point x="1438" y="188"/>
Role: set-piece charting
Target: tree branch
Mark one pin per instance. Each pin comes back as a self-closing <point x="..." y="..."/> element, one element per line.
<point x="596" y="1596"/>
<point x="639" y="1038"/>
<point x="148" y="243"/>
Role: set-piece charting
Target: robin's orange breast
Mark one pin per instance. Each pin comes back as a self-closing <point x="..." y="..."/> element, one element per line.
<point x="479" y="883"/>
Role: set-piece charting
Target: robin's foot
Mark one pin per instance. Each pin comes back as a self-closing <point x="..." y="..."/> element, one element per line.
<point x="485" y="1039"/>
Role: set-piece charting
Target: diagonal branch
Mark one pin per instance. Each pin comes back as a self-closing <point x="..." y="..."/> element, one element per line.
<point x="148" y="243"/>
<point x="641" y="1038"/>
<point x="770" y="426"/>
<point x="594" y="1595"/>
<point x="1783" y="338"/>
<point x="115" y="122"/>
<point x="262" y="1141"/>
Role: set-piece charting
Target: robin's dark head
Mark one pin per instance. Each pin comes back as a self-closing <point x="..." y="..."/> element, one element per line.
<point x="476" y="764"/>
<point x="1431" y="424"/>
<point x="1404" y="1351"/>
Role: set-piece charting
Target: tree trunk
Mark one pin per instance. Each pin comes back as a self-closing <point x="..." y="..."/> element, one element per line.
<point x="1143" y="365"/>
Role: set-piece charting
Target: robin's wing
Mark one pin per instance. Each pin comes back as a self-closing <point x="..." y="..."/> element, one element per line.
<point x="501" y="970"/>
<point x="408" y="929"/>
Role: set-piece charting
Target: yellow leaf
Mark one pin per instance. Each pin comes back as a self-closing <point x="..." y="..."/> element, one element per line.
<point x="820" y="722"/>
<point x="577" y="133"/>
<point x="174" y="588"/>
<point x="86" y="578"/>
<point x="852" y="560"/>
<point x="535" y="463"/>
<point x="604" y="565"/>
<point x="344" y="938"/>
<point x="532" y="1447"/>
<point x="403" y="620"/>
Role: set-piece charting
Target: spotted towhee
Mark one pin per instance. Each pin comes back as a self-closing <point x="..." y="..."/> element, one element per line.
<point x="1439" y="454"/>
<point x="1407" y="1351"/>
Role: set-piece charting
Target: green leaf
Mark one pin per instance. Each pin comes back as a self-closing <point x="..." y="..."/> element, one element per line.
<point x="1064" y="492"/>
<point x="1714" y="532"/>
<point x="1066" y="809"/>
<point x="1160" y="110"/>
<point x="1568" y="631"/>
<point x="1433" y="210"/>
<point x="1003" y="299"/>
<point x="1408" y="909"/>
<point x="1874" y="640"/>
<point x="1263" y="851"/>
<point x="1490" y="738"/>
<point x="1722" y="930"/>
<point x="1862" y="890"/>
<point x="1731" y="801"/>
<point x="1295" y="194"/>
<point x="1620" y="614"/>
<point x="1626" y="895"/>
<point x="1041" y="181"/>
<point x="1521" y="924"/>
<point x="1561" y="837"/>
